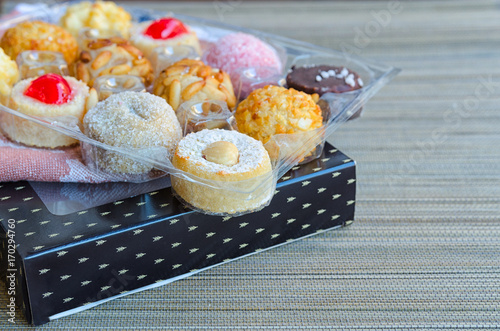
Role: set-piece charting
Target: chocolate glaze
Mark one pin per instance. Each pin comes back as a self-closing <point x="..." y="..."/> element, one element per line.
<point x="319" y="79"/>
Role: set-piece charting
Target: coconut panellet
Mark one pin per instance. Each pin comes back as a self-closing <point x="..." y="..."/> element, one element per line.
<point x="131" y="120"/>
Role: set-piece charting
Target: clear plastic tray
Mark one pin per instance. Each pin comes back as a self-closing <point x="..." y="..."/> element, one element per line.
<point x="285" y="150"/>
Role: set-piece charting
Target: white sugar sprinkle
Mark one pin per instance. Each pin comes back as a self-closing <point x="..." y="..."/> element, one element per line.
<point x="344" y="72"/>
<point x="251" y="151"/>
<point x="318" y="78"/>
<point x="350" y="80"/>
<point x="331" y="72"/>
<point x="324" y="74"/>
<point x="360" y="82"/>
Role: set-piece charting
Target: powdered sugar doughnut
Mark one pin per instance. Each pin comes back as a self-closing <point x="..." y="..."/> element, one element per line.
<point x="134" y="120"/>
<point x="225" y="156"/>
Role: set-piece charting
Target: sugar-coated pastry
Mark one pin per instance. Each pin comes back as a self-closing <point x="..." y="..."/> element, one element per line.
<point x="131" y="120"/>
<point x="49" y="96"/>
<point x="193" y="80"/>
<point x="275" y="110"/>
<point x="222" y="156"/>
<point x="39" y="36"/>
<point x="102" y="15"/>
<point x="241" y="50"/>
<point x="167" y="31"/>
<point x="9" y="74"/>
<point x="112" y="56"/>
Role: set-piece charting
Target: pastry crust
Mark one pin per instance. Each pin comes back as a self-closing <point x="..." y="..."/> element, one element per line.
<point x="146" y="44"/>
<point x="193" y="80"/>
<point x="33" y="134"/>
<point x="276" y="110"/>
<point x="253" y="162"/>
<point x="104" y="16"/>
<point x="131" y="120"/>
<point x="39" y="36"/>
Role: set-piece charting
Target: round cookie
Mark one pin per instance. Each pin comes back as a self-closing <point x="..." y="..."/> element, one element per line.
<point x="137" y="120"/>
<point x="223" y="156"/>
<point x="39" y="36"/>
<point x="323" y="79"/>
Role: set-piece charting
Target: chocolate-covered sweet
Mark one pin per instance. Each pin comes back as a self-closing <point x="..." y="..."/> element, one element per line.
<point x="322" y="79"/>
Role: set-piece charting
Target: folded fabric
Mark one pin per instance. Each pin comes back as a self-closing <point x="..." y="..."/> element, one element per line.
<point x="36" y="164"/>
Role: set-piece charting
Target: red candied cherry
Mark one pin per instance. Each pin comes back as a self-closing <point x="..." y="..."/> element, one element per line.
<point x="165" y="28"/>
<point x="50" y="89"/>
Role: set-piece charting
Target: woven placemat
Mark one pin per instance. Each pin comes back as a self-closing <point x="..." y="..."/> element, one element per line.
<point x="424" y="250"/>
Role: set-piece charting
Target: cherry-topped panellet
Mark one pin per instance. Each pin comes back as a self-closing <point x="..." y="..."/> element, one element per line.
<point x="50" y="89"/>
<point x="166" y="28"/>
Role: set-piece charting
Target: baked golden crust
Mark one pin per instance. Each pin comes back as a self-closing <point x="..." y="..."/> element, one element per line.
<point x="101" y="15"/>
<point x="39" y="36"/>
<point x="111" y="56"/>
<point x="276" y="110"/>
<point x="9" y="75"/>
<point x="252" y="170"/>
<point x="193" y="80"/>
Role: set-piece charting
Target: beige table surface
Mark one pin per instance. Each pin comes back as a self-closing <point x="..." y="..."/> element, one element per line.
<point x="424" y="250"/>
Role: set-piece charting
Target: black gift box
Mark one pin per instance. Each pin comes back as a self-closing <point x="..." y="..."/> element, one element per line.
<point x="55" y="265"/>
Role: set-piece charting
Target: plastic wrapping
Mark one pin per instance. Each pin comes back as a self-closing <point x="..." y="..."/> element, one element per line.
<point x="107" y="85"/>
<point x="38" y="63"/>
<point x="285" y="150"/>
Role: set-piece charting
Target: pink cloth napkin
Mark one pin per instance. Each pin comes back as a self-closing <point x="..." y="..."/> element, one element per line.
<point x="63" y="165"/>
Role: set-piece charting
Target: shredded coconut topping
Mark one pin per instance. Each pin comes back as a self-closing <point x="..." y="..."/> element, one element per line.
<point x="134" y="119"/>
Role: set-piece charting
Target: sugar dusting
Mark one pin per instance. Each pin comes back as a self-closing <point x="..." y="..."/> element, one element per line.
<point x="132" y="119"/>
<point x="241" y="50"/>
<point x="251" y="151"/>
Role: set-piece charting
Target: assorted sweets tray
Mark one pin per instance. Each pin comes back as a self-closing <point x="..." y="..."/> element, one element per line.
<point x="226" y="111"/>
